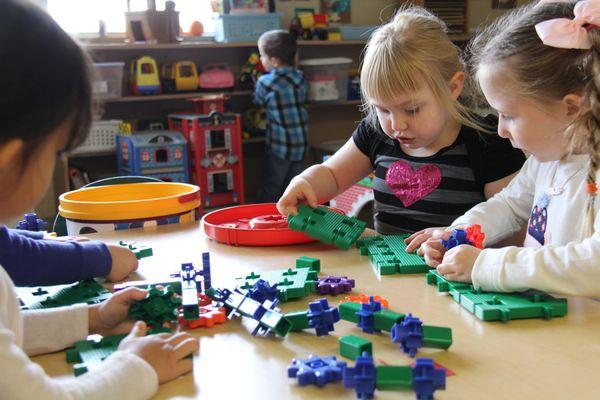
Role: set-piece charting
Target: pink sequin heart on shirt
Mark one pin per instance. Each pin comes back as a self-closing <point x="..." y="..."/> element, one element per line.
<point x="409" y="185"/>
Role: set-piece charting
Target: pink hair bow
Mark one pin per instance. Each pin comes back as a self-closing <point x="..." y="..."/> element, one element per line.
<point x="565" y="33"/>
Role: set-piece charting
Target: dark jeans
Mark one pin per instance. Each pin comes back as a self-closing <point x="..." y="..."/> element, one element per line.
<point x="276" y="177"/>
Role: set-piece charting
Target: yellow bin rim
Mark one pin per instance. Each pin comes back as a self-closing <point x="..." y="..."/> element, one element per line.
<point x="129" y="201"/>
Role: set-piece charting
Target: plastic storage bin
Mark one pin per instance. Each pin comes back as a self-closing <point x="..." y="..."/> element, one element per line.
<point x="327" y="78"/>
<point x="101" y="138"/>
<point x="354" y="32"/>
<point x="107" y="80"/>
<point x="245" y="27"/>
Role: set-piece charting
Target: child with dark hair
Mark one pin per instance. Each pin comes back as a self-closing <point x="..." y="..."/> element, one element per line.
<point x="45" y="110"/>
<point x="282" y="92"/>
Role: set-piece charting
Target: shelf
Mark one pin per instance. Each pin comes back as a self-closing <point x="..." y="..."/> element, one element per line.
<point x="84" y="154"/>
<point x="208" y="45"/>
<point x="175" y="96"/>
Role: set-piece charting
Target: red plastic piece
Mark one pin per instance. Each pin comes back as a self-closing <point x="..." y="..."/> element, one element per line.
<point x="448" y="371"/>
<point x="233" y="226"/>
<point x="475" y="236"/>
<point x="204" y="300"/>
<point x="209" y="316"/>
<point x="364" y="298"/>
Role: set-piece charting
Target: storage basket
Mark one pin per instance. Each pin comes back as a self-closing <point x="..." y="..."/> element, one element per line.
<point x="101" y="137"/>
<point x="245" y="27"/>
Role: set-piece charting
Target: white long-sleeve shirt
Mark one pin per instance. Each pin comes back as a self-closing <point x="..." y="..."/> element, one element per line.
<point x="124" y="375"/>
<point x="558" y="258"/>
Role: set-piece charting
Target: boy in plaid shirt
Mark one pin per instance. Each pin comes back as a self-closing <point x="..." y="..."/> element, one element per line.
<point x="282" y="92"/>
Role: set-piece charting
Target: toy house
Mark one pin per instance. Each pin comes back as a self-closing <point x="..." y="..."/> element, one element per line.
<point x="216" y="154"/>
<point x="159" y="154"/>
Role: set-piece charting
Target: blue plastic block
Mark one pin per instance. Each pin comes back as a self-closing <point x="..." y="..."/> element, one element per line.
<point x="262" y="290"/>
<point x="322" y="317"/>
<point x="366" y="318"/>
<point x="458" y="237"/>
<point x="206" y="270"/>
<point x="32" y="223"/>
<point x="427" y="379"/>
<point x="409" y="333"/>
<point x="316" y="370"/>
<point x="362" y="377"/>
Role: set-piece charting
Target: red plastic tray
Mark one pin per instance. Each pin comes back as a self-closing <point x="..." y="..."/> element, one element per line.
<point x="251" y="225"/>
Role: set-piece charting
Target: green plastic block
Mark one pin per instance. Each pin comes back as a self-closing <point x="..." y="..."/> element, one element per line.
<point x="88" y="291"/>
<point x="388" y="255"/>
<point x="276" y="322"/>
<point x="384" y="320"/>
<point x="353" y="346"/>
<point x="313" y="264"/>
<point x="298" y="319"/>
<point x="90" y="354"/>
<point x="348" y="311"/>
<point x="327" y="226"/>
<point x="391" y="377"/>
<point x="437" y="337"/>
<point x="140" y="251"/>
<point x="490" y="306"/>
<point x="292" y="283"/>
<point x="159" y="306"/>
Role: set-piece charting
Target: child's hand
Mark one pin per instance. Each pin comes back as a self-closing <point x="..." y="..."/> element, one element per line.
<point x="164" y="352"/>
<point x="458" y="263"/>
<point x="432" y="249"/>
<point x="415" y="240"/>
<point x="112" y="316"/>
<point x="298" y="192"/>
<point x="124" y="263"/>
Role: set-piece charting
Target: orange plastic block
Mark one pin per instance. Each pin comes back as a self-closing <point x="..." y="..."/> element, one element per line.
<point x="364" y="298"/>
<point x="209" y="316"/>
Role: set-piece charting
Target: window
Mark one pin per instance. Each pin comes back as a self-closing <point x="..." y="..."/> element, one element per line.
<point x="83" y="16"/>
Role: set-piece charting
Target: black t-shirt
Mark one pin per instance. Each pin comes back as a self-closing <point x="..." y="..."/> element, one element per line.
<point x="413" y="193"/>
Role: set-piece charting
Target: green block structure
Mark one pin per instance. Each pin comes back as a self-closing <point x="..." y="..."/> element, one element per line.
<point x="159" y="306"/>
<point x="88" y="292"/>
<point x="327" y="226"/>
<point x="391" y="377"/>
<point x="89" y="354"/>
<point x="348" y="311"/>
<point x="298" y="319"/>
<point x="504" y="307"/>
<point x="313" y="264"/>
<point x="353" y="346"/>
<point x="437" y="337"/>
<point x="388" y="255"/>
<point x="292" y="283"/>
<point x="384" y="319"/>
<point x="139" y="250"/>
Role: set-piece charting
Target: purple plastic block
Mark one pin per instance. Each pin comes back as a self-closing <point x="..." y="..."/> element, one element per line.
<point x="362" y="377"/>
<point x="409" y="333"/>
<point x="206" y="270"/>
<point x="334" y="285"/>
<point x="322" y="317"/>
<point x="366" y="319"/>
<point x="427" y="378"/>
<point x="458" y="237"/>
<point x="262" y="290"/>
<point x="32" y="223"/>
<point x="316" y="370"/>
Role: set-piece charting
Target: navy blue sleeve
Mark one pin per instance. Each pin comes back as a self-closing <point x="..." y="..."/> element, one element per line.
<point x="30" y="234"/>
<point x="31" y="262"/>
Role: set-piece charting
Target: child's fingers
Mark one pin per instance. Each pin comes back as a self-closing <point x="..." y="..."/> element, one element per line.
<point x="311" y="198"/>
<point x="178" y="337"/>
<point x="186" y="347"/>
<point x="139" y="329"/>
<point x="446" y="269"/>
<point x="416" y="241"/>
<point x="411" y="237"/>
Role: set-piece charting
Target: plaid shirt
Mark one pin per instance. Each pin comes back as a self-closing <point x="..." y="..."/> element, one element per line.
<point x="283" y="92"/>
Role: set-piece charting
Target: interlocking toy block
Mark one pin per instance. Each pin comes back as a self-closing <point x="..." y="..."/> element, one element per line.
<point x="365" y="298"/>
<point x="314" y="264"/>
<point x="89" y="354"/>
<point x="322" y="317"/>
<point x="140" y="251"/>
<point x="472" y="236"/>
<point x="159" y="306"/>
<point x="32" y="223"/>
<point x="327" y="226"/>
<point x="366" y="318"/>
<point x="388" y="255"/>
<point x="503" y="307"/>
<point x="206" y="274"/>
<point x="334" y="285"/>
<point x="88" y="291"/>
<point x="383" y="320"/>
<point x="353" y="346"/>
<point x="409" y="333"/>
<point x="392" y="377"/>
<point x="209" y="317"/>
<point x="268" y="317"/>
<point x="189" y="292"/>
<point x="361" y="377"/>
<point x="147" y="284"/>
<point x="427" y="379"/>
<point x="475" y="235"/>
<point x="298" y="319"/>
<point x="262" y="291"/>
<point x="291" y="283"/>
<point x="316" y="370"/>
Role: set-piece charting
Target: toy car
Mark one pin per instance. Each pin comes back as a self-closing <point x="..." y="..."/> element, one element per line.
<point x="144" y="76"/>
<point x="216" y="76"/>
<point x="181" y="76"/>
